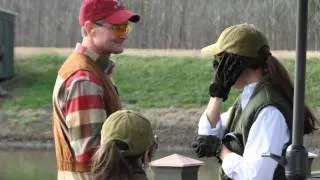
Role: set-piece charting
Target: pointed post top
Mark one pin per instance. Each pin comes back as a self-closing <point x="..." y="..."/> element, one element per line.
<point x="176" y="160"/>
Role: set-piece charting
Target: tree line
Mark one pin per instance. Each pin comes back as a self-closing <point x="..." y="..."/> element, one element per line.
<point x="168" y="24"/>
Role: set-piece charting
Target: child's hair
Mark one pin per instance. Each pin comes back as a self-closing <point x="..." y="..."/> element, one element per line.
<point x="109" y="164"/>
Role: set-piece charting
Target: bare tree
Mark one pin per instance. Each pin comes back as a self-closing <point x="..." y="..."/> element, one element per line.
<point x="166" y="23"/>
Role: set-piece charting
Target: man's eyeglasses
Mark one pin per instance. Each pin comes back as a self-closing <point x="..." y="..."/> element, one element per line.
<point x="117" y="29"/>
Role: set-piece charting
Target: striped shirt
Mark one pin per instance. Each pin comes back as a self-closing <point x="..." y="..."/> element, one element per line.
<point x="83" y="106"/>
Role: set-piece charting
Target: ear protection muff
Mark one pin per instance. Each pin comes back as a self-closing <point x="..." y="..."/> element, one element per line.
<point x="234" y="142"/>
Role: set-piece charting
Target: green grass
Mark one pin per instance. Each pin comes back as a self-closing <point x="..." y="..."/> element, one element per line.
<point x="33" y="82"/>
<point x="312" y="74"/>
<point x="164" y="81"/>
<point x="142" y="81"/>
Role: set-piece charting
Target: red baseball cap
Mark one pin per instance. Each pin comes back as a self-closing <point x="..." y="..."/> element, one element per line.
<point x="110" y="11"/>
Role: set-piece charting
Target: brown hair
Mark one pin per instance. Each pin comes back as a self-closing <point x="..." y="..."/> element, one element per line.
<point x="273" y="67"/>
<point x="110" y="164"/>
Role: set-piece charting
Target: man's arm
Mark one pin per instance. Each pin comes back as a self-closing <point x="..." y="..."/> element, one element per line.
<point x="85" y="113"/>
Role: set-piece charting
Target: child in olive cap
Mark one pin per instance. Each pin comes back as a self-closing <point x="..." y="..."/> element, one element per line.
<point x="127" y="142"/>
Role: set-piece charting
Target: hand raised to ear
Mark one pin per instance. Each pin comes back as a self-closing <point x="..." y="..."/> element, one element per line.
<point x="227" y="73"/>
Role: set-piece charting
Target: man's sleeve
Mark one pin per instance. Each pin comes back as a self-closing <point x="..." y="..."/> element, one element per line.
<point x="85" y="113"/>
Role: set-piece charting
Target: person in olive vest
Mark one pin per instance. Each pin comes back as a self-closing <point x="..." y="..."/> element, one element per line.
<point x="260" y="120"/>
<point x="127" y="145"/>
<point x="85" y="94"/>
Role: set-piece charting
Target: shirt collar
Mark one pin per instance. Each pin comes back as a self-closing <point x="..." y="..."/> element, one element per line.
<point x="101" y="61"/>
<point x="246" y="94"/>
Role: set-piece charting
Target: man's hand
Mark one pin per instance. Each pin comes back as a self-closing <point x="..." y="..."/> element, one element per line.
<point x="207" y="146"/>
<point x="227" y="73"/>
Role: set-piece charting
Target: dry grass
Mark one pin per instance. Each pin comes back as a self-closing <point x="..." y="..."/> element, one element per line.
<point x="22" y="52"/>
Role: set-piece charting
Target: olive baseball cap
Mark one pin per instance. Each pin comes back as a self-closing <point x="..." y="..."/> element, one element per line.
<point x="129" y="127"/>
<point x="241" y="39"/>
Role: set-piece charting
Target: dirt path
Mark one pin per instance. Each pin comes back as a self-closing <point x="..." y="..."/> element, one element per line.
<point x="175" y="128"/>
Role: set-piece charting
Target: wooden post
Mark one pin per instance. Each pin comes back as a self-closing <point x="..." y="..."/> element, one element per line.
<point x="175" y="167"/>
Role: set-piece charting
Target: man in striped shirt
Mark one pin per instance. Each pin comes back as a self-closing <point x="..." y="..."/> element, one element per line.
<point x="84" y="94"/>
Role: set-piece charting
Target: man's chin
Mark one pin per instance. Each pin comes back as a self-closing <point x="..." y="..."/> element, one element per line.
<point x="117" y="51"/>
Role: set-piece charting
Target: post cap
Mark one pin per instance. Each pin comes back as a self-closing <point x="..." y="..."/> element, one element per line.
<point x="176" y="160"/>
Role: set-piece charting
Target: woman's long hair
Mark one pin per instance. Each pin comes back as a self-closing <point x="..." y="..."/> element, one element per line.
<point x="279" y="75"/>
<point x="273" y="67"/>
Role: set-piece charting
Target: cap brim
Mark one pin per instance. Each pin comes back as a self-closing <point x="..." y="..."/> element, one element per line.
<point x="122" y="16"/>
<point x="211" y="50"/>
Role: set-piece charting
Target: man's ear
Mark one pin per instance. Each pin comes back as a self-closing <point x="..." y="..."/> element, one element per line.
<point x="89" y="27"/>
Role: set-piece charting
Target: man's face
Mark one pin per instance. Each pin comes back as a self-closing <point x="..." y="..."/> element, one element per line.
<point x="108" y="38"/>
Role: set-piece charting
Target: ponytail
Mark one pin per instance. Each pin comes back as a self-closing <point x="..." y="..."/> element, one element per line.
<point x="279" y="75"/>
<point x="109" y="164"/>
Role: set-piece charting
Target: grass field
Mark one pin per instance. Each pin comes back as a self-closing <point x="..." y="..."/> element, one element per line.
<point x="143" y="81"/>
<point x="171" y="91"/>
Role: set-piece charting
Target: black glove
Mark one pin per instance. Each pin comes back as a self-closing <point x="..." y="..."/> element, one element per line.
<point x="207" y="146"/>
<point x="227" y="73"/>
